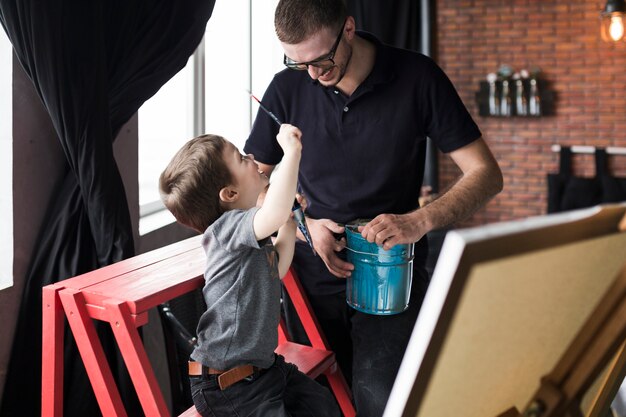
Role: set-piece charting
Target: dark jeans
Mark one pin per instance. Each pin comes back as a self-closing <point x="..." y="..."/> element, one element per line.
<point x="278" y="391"/>
<point x="369" y="348"/>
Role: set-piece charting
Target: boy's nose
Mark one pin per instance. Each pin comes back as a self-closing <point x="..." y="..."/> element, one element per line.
<point x="250" y="156"/>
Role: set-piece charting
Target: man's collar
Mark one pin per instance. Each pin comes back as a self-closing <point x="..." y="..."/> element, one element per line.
<point x="382" y="71"/>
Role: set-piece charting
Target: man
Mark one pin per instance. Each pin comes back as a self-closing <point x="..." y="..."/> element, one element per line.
<point x="365" y="110"/>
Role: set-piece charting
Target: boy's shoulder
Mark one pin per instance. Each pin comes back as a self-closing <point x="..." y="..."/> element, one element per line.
<point x="231" y="215"/>
<point x="235" y="224"/>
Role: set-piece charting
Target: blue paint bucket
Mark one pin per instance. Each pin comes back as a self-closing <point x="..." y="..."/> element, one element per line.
<point x="381" y="280"/>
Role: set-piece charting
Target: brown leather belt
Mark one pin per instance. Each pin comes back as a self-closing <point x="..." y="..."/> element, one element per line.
<point x="225" y="378"/>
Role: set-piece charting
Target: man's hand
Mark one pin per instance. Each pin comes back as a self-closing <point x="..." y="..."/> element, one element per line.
<point x="480" y="181"/>
<point x="302" y="201"/>
<point x="326" y="246"/>
<point x="389" y="230"/>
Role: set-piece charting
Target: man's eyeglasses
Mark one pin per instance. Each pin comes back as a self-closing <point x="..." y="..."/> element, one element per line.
<point x="324" y="62"/>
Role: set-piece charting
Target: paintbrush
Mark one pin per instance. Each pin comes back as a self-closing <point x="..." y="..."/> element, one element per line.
<point x="265" y="109"/>
<point x="297" y="209"/>
<point x="300" y="220"/>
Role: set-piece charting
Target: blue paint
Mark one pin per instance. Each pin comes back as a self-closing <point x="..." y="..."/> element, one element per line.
<point x="381" y="281"/>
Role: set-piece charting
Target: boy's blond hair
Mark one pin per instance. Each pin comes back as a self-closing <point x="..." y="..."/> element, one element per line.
<point x="191" y="183"/>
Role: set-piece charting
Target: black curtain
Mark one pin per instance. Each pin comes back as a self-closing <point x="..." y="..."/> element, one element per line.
<point x="394" y="22"/>
<point x="93" y="64"/>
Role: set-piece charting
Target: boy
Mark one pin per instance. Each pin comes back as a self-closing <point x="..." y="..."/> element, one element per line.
<point x="211" y="187"/>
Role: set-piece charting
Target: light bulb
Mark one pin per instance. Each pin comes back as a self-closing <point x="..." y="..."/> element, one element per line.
<point x="616" y="28"/>
<point x="612" y="20"/>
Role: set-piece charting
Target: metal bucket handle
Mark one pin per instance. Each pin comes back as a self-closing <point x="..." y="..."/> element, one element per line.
<point x="409" y="259"/>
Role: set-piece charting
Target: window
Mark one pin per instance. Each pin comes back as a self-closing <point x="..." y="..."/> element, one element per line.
<point x="267" y="54"/>
<point x="240" y="52"/>
<point x="227" y="69"/>
<point x="164" y="125"/>
<point x="6" y="161"/>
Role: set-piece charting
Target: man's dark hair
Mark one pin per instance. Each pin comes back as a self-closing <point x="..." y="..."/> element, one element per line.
<point x="296" y="20"/>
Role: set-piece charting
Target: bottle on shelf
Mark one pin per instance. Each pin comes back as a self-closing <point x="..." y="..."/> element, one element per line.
<point x="521" y="105"/>
<point x="505" y="100"/>
<point x="534" y="101"/>
<point x="494" y="101"/>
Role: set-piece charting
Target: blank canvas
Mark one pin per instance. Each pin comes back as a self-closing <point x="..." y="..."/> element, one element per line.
<point x="503" y="305"/>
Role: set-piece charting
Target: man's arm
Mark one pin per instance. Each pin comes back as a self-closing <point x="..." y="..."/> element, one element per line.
<point x="481" y="179"/>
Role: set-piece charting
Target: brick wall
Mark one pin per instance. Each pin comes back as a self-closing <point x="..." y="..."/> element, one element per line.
<point x="475" y="37"/>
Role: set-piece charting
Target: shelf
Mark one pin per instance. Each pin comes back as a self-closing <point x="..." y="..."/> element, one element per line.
<point x="546" y="98"/>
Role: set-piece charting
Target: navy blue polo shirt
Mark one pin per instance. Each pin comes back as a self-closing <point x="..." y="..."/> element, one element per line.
<point x="364" y="155"/>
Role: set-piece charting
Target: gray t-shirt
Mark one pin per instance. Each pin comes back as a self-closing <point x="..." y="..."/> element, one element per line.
<point x="242" y="294"/>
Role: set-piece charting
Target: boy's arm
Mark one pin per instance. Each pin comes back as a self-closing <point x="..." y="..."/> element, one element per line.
<point x="276" y="208"/>
<point x="284" y="244"/>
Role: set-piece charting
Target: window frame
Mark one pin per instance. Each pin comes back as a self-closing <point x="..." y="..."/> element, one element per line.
<point x="6" y="161"/>
<point x="260" y="68"/>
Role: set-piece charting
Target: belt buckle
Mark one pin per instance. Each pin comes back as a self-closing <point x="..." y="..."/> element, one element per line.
<point x="255" y="374"/>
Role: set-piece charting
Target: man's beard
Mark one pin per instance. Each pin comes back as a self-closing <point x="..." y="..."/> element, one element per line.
<point x="342" y="69"/>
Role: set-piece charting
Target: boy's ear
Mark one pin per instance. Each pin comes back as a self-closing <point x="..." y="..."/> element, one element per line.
<point x="228" y="194"/>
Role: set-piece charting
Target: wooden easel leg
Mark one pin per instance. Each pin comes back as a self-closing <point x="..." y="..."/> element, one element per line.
<point x="610" y="385"/>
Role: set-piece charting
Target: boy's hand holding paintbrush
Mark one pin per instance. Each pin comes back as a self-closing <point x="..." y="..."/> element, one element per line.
<point x="296" y="209"/>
